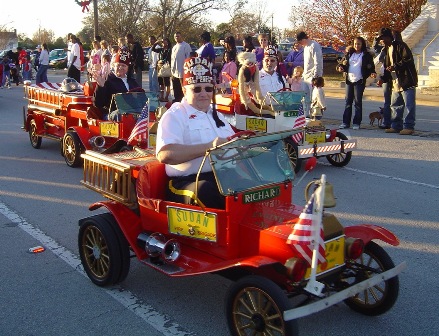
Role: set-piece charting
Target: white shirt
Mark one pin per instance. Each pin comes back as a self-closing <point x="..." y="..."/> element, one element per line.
<point x="44" y="57"/>
<point x="153" y="57"/>
<point x="76" y="51"/>
<point x="355" y="63"/>
<point x="183" y="124"/>
<point x="312" y="61"/>
<point x="180" y="52"/>
<point x="318" y="98"/>
<point x="270" y="83"/>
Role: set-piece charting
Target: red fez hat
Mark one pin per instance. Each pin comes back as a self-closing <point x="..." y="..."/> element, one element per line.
<point x="197" y="70"/>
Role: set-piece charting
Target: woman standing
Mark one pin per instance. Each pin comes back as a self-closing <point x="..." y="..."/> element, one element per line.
<point x="247" y="43"/>
<point x="43" y="65"/>
<point x="164" y="51"/>
<point x="357" y="65"/>
<point x="230" y="47"/>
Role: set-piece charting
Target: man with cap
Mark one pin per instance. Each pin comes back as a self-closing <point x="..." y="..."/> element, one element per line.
<point x="186" y="131"/>
<point x="116" y="82"/>
<point x="312" y="65"/>
<point x="270" y="78"/>
<point x="401" y="65"/>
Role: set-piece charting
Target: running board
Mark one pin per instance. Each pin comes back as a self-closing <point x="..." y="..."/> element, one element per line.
<point x="166" y="268"/>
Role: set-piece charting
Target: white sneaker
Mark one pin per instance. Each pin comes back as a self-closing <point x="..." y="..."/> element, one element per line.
<point x="343" y="126"/>
<point x="355" y="127"/>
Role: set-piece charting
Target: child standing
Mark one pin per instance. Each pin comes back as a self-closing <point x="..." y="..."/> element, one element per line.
<point x="27" y="68"/>
<point x="228" y="72"/>
<point x="296" y="80"/>
<point x="318" y="100"/>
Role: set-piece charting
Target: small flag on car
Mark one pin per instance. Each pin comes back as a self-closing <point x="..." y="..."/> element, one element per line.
<point x="140" y="130"/>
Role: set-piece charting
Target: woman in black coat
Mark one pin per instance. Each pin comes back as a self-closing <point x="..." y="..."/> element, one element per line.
<point x="357" y="66"/>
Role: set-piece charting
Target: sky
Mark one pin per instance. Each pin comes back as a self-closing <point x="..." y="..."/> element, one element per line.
<point x="65" y="16"/>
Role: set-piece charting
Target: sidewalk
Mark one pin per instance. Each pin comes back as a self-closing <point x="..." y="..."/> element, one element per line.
<point x="333" y="89"/>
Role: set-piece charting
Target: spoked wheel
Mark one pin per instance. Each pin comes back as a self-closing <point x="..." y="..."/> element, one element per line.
<point x="72" y="148"/>
<point x="339" y="159"/>
<point x="293" y="153"/>
<point x="381" y="297"/>
<point x="255" y="306"/>
<point x="103" y="250"/>
<point x="35" y="140"/>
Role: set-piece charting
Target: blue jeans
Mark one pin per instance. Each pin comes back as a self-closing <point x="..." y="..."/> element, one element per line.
<point x="307" y="88"/>
<point x="41" y="74"/>
<point x="387" y="113"/>
<point x="402" y="100"/>
<point x="153" y="80"/>
<point x="354" y="94"/>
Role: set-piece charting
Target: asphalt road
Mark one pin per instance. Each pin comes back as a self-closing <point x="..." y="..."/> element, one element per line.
<point x="391" y="181"/>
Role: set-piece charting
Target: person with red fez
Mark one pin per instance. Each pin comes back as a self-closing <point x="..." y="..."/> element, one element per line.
<point x="186" y="131"/>
<point x="270" y="77"/>
<point x="116" y="82"/>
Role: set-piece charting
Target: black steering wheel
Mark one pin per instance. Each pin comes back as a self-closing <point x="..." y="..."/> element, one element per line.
<point x="234" y="151"/>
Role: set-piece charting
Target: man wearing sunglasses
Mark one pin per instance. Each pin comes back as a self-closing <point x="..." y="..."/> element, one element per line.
<point x="270" y="78"/>
<point x="186" y="131"/>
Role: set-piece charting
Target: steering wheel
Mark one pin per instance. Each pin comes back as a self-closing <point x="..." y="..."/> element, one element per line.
<point x="241" y="134"/>
<point x="284" y="89"/>
<point x="235" y="152"/>
<point x="136" y="89"/>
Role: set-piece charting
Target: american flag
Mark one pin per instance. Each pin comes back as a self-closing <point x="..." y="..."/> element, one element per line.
<point x="300" y="122"/>
<point x="301" y="238"/>
<point x="139" y="131"/>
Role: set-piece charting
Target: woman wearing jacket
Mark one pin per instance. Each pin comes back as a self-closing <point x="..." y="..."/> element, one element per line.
<point x="357" y="65"/>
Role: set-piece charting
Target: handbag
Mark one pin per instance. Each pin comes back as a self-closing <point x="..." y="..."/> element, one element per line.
<point x="164" y="70"/>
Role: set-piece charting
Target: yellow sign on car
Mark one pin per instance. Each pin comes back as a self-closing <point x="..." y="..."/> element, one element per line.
<point x="334" y="250"/>
<point x="255" y="124"/>
<point x="192" y="223"/>
<point x="109" y="129"/>
<point x="317" y="137"/>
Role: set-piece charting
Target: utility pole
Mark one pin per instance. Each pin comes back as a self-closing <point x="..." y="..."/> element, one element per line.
<point x="271" y="32"/>
<point x="95" y="17"/>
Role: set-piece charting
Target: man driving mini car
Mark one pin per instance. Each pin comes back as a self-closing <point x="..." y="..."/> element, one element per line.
<point x="186" y="131"/>
<point x="270" y="78"/>
<point x="117" y="82"/>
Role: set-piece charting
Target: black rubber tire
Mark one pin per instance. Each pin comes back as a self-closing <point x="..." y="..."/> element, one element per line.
<point x="247" y="315"/>
<point x="293" y="152"/>
<point x="103" y="252"/>
<point x="35" y="140"/>
<point x="73" y="149"/>
<point x="380" y="298"/>
<point x="339" y="159"/>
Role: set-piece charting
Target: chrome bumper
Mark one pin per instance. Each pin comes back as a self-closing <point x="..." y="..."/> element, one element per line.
<point x="344" y="294"/>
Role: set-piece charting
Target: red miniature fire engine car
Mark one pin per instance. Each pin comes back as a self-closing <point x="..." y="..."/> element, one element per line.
<point x="255" y="240"/>
<point x="66" y="117"/>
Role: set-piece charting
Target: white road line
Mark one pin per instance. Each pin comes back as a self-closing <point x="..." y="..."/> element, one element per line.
<point x="158" y="321"/>
<point x="386" y="176"/>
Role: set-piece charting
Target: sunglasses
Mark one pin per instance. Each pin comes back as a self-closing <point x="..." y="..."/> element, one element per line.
<point x="198" y="89"/>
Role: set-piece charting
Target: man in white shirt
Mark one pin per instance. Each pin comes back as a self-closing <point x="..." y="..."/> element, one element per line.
<point x="74" y="63"/>
<point x="180" y="51"/>
<point x="270" y="79"/>
<point x="312" y="67"/>
<point x="153" y="58"/>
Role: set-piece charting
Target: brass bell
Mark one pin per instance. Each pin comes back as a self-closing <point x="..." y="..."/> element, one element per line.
<point x="329" y="200"/>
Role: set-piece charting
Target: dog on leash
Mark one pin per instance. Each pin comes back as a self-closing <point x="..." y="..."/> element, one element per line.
<point x="378" y="115"/>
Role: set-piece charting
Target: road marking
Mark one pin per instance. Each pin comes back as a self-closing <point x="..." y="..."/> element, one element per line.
<point x="158" y="321"/>
<point x="386" y="176"/>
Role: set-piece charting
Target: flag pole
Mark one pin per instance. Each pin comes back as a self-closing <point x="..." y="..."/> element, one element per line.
<point x="313" y="286"/>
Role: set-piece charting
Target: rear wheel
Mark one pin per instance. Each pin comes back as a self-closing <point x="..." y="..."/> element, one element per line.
<point x="255" y="306"/>
<point x="72" y="149"/>
<point x="35" y="140"/>
<point x="339" y="159"/>
<point x="293" y="154"/>
<point x="381" y="297"/>
<point x="103" y="250"/>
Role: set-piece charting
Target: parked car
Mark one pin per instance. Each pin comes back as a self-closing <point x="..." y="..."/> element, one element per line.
<point x="330" y="54"/>
<point x="285" y="48"/>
